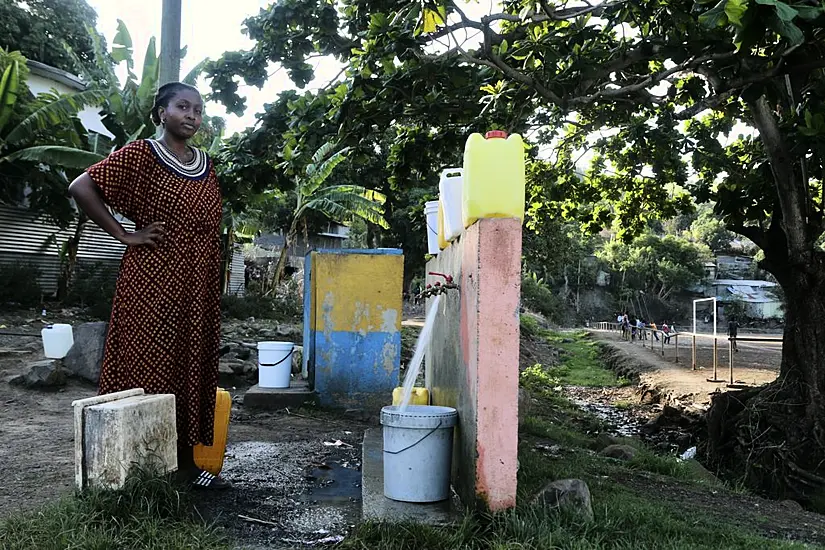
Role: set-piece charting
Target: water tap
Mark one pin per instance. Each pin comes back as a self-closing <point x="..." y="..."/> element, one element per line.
<point x="438" y="287"/>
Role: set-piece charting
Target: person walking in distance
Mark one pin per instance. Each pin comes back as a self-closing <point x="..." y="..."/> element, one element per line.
<point x="164" y="333"/>
<point x="733" y="330"/>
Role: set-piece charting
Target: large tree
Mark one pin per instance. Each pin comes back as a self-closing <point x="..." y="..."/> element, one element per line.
<point x="42" y="29"/>
<point x="653" y="89"/>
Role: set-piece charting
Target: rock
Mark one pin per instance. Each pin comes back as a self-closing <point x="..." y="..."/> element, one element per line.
<point x="34" y="346"/>
<point x="604" y="440"/>
<point x="621" y="452"/>
<point x="290" y="332"/>
<point x="650" y="428"/>
<point x="297" y="359"/>
<point x="650" y="397"/>
<point x="42" y="375"/>
<point x="671" y="412"/>
<point x="86" y="356"/>
<point x="523" y="405"/>
<point x="567" y="494"/>
<point x="225" y="367"/>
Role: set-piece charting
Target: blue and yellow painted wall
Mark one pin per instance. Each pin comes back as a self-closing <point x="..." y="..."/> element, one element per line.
<point x="352" y="320"/>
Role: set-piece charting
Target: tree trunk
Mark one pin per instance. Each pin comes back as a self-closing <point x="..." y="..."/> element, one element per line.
<point x="774" y="436"/>
<point x="68" y="260"/>
<point x="279" y="270"/>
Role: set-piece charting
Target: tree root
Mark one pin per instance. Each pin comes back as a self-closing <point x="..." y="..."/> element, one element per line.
<point x="763" y="436"/>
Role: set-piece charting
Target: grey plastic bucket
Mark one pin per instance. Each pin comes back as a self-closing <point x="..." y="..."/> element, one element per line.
<point x="418" y="451"/>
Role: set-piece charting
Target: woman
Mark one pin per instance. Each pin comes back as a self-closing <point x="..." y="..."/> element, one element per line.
<point x="164" y="333"/>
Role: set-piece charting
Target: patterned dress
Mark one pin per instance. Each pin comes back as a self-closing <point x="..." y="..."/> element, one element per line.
<point x="164" y="333"/>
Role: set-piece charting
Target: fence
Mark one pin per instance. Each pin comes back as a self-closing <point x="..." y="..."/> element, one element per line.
<point x="643" y="335"/>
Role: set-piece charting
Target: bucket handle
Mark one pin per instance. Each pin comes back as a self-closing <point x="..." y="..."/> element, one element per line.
<point x="281" y="361"/>
<point x="408" y="447"/>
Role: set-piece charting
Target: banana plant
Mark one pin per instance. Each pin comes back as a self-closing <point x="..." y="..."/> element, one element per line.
<point x="337" y="202"/>
<point x="44" y="112"/>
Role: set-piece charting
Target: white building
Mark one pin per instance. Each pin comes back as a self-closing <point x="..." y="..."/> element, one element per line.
<point x="760" y="302"/>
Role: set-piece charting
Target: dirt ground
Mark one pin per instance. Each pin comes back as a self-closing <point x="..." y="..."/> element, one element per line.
<point x="296" y="474"/>
<point x="754" y="364"/>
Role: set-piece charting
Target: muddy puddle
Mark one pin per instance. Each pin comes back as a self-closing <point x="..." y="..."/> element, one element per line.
<point x="287" y="495"/>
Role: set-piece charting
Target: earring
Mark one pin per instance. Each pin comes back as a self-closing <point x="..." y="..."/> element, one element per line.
<point x="163" y="123"/>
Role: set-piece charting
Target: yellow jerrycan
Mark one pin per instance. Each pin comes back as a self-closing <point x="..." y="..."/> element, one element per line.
<point x="493" y="184"/>
<point x="442" y="241"/>
<point x="210" y="458"/>
<point x="419" y="396"/>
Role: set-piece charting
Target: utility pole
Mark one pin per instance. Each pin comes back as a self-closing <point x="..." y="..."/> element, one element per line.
<point x="170" y="42"/>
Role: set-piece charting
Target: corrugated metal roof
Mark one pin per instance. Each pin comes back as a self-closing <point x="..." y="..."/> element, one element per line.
<point x="25" y="232"/>
<point x="237" y="274"/>
<point x="30" y="238"/>
<point x="742" y="282"/>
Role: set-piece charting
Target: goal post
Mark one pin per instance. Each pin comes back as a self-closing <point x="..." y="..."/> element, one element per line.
<point x="714" y="313"/>
<point x="715" y="341"/>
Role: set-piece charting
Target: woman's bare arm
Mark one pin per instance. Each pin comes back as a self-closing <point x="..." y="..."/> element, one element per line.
<point x="87" y="196"/>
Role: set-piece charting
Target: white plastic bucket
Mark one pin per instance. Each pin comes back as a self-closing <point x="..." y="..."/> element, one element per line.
<point x="275" y="364"/>
<point x="418" y="451"/>
<point x="57" y="340"/>
<point x="449" y="186"/>
<point x="431" y="213"/>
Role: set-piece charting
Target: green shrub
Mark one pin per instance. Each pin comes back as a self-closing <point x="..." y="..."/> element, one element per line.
<point x="244" y="307"/>
<point x="288" y="300"/>
<point x="529" y="326"/>
<point x="286" y="303"/>
<point x="94" y="289"/>
<point x="536" y="296"/>
<point x="19" y="285"/>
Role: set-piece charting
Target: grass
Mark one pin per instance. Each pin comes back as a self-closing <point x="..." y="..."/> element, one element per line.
<point x="579" y="362"/>
<point x="150" y="512"/>
<point x="626" y="517"/>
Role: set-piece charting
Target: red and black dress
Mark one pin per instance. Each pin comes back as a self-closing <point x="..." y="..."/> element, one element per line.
<point x="164" y="333"/>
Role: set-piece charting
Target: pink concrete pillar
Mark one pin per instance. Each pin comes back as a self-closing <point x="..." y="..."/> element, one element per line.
<point x="472" y="363"/>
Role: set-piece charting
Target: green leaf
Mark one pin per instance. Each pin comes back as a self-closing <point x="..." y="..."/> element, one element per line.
<point x="151" y="66"/>
<point x="192" y="77"/>
<point x="122" y="46"/>
<point x="430" y="20"/>
<point x="783" y="10"/>
<point x="53" y="113"/>
<point x="809" y="13"/>
<point x="57" y="156"/>
<point x="787" y="30"/>
<point x="502" y="49"/>
<point x="715" y="17"/>
<point x="9" y="88"/>
<point x="735" y="10"/>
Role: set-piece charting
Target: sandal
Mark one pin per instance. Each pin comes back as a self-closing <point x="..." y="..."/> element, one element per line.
<point x="205" y="480"/>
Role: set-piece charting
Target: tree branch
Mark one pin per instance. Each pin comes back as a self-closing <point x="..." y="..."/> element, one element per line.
<point x="548" y="13"/>
<point x="755" y="234"/>
<point x="792" y="199"/>
<point x="651" y="80"/>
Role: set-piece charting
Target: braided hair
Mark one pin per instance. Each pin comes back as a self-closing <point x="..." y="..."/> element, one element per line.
<point x="164" y="96"/>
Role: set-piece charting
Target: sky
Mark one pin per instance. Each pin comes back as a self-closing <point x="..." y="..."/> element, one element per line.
<point x="209" y="28"/>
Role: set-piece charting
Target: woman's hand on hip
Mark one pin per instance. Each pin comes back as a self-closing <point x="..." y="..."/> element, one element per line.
<point x="152" y="235"/>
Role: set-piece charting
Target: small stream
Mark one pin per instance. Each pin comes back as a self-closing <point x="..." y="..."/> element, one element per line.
<point x="621" y="422"/>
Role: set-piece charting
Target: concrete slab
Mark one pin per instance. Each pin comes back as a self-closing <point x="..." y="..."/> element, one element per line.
<point x="377" y="507"/>
<point x="271" y="399"/>
<point x="134" y="431"/>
